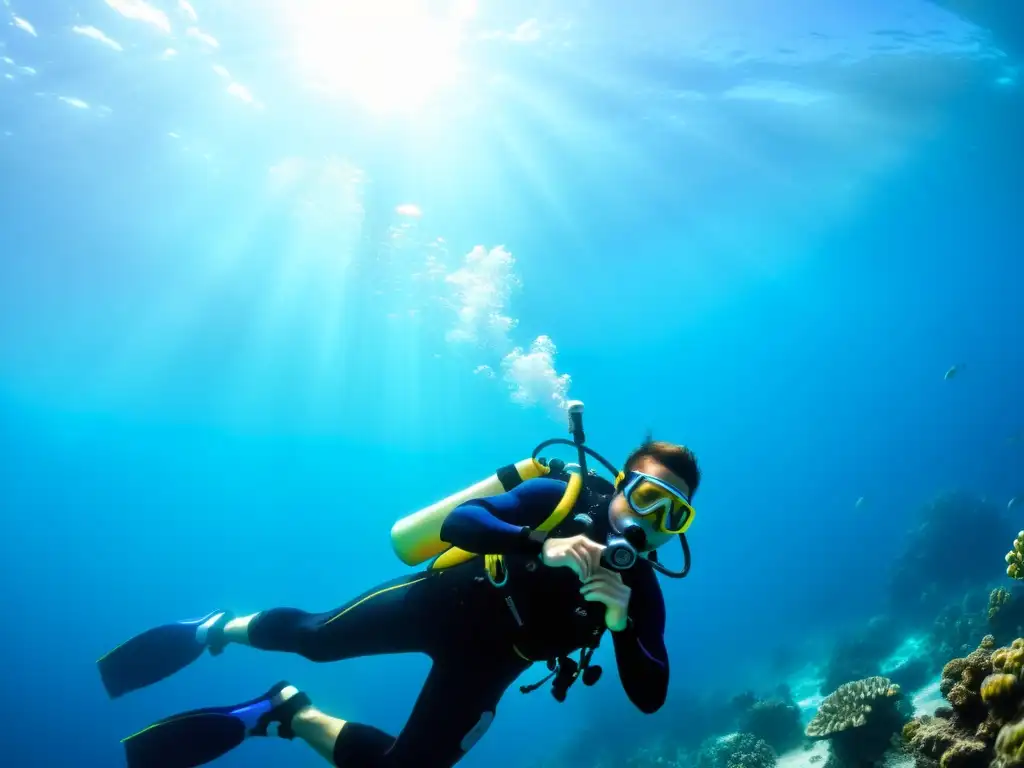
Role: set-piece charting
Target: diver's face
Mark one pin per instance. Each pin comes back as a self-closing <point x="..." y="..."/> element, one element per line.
<point x="619" y="512"/>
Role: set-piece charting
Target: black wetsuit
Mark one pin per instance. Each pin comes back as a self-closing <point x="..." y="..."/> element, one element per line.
<point x="480" y="637"/>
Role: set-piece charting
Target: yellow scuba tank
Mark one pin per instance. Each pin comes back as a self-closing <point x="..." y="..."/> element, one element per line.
<point x="416" y="538"/>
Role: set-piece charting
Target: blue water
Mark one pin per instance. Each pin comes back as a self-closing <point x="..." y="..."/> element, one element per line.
<point x="264" y="295"/>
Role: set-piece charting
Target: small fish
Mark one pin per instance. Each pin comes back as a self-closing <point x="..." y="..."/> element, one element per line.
<point x="953" y="371"/>
<point x="860" y="503"/>
<point x="1012" y="504"/>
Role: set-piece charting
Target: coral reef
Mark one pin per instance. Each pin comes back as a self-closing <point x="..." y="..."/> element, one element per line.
<point x="962" y="679"/>
<point x="937" y="742"/>
<point x="860" y="719"/>
<point x="739" y="750"/>
<point x="983" y="725"/>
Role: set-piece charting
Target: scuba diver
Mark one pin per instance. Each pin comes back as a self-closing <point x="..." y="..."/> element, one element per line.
<point x="569" y="555"/>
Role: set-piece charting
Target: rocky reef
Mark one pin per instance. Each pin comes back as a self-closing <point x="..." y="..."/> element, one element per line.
<point x="983" y="726"/>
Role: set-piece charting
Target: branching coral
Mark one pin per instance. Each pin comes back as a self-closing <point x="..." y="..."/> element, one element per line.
<point x="860" y="719"/>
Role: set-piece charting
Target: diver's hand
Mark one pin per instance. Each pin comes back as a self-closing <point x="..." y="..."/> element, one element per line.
<point x="581" y="554"/>
<point x="606" y="586"/>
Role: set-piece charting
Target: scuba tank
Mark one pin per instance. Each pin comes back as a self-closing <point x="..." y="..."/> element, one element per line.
<point x="417" y="537"/>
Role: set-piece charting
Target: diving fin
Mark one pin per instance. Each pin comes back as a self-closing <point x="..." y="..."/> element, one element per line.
<point x="160" y="652"/>
<point x="195" y="738"/>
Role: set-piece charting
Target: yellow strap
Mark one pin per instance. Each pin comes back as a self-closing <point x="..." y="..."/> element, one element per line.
<point x="569" y="499"/>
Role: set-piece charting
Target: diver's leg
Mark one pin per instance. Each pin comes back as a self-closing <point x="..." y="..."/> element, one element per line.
<point x="396" y="617"/>
<point x="400" y="616"/>
<point x="321" y="731"/>
<point x="454" y="709"/>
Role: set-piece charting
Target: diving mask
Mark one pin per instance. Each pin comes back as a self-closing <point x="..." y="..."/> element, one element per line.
<point x="648" y="495"/>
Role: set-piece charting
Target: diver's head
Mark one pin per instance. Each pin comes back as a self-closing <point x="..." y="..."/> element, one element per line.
<point x="654" y="492"/>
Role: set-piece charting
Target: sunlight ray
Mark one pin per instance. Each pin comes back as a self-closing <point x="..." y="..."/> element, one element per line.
<point x="313" y="270"/>
<point x="524" y="160"/>
<point x="140" y="361"/>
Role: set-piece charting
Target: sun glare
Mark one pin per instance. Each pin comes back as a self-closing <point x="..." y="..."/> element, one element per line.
<point x="390" y="55"/>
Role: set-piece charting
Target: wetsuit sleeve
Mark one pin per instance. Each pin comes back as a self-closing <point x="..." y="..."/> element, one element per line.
<point x="640" y="648"/>
<point x="499" y="525"/>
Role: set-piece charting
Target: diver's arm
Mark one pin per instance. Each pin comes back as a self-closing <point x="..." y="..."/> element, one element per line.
<point x="502" y="524"/>
<point x="640" y="647"/>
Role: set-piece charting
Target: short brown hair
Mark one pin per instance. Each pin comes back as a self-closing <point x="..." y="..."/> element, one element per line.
<point x="677" y="459"/>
